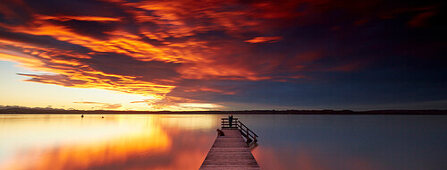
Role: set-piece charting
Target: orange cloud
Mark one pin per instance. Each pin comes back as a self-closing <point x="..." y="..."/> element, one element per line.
<point x="153" y="47"/>
<point x="118" y="42"/>
<point x="263" y="40"/>
<point x="194" y="56"/>
<point x="25" y="60"/>
<point x="80" y="18"/>
<point x="222" y="71"/>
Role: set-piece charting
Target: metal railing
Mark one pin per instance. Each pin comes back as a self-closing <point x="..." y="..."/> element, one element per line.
<point x="245" y="131"/>
<point x="225" y="122"/>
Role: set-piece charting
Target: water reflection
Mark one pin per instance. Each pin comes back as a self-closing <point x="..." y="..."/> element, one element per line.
<point x="182" y="141"/>
<point x="116" y="142"/>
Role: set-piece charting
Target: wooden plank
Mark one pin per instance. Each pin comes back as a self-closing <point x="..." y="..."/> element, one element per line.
<point x="230" y="152"/>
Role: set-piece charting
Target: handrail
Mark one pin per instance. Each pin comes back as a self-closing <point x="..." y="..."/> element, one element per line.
<point x="248" y="129"/>
<point x="246" y="132"/>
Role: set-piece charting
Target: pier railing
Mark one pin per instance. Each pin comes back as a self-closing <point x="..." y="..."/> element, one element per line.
<point x="225" y="122"/>
<point x="245" y="131"/>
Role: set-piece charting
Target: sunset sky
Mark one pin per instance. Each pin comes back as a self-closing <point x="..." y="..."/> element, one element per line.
<point x="223" y="55"/>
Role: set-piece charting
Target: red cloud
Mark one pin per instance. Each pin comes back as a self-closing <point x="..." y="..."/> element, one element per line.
<point x="264" y="40"/>
<point x="420" y="19"/>
<point x="80" y="18"/>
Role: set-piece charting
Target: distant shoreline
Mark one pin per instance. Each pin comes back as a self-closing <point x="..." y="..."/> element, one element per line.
<point x="22" y="110"/>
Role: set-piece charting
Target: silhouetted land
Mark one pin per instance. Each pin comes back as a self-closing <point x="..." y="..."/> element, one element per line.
<point x="26" y="110"/>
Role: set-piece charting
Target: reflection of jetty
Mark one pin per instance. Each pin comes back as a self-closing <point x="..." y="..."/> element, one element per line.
<point x="230" y="150"/>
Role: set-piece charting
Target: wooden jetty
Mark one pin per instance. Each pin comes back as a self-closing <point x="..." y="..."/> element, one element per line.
<point x="230" y="150"/>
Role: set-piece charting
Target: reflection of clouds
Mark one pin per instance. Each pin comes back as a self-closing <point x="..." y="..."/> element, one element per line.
<point x="82" y="156"/>
<point x="134" y="141"/>
<point x="124" y="142"/>
<point x="191" y="123"/>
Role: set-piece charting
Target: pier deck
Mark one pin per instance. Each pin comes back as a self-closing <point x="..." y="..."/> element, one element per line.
<point x="230" y="152"/>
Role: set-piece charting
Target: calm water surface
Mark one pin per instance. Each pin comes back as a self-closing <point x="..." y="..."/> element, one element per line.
<point x="182" y="141"/>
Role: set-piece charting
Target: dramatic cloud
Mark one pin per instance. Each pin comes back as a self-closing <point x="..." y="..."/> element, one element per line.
<point x="204" y="54"/>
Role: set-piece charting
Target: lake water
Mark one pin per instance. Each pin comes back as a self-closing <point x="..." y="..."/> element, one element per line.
<point x="182" y="141"/>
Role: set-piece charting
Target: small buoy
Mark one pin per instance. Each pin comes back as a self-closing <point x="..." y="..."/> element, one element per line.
<point x="102" y="117"/>
<point x="82" y="116"/>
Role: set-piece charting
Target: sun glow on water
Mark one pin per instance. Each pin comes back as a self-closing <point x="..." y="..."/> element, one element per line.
<point x="68" y="141"/>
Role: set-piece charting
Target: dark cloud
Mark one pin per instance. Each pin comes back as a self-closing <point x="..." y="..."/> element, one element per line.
<point x="41" y="41"/>
<point x="93" y="29"/>
<point x="62" y="80"/>
<point x="73" y="7"/>
<point x="124" y="65"/>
